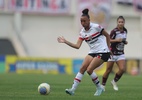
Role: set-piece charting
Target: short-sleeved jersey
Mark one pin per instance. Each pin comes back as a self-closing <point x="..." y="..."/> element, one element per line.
<point x="117" y="48"/>
<point x="95" y="39"/>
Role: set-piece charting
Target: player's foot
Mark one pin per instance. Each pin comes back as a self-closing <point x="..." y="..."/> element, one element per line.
<point x="69" y="91"/>
<point x="115" y="87"/>
<point x="103" y="87"/>
<point x="99" y="91"/>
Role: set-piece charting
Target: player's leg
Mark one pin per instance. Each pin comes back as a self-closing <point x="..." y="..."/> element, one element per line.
<point x="79" y="75"/>
<point x="107" y="72"/>
<point x="90" y="70"/>
<point x="96" y="62"/>
<point x="121" y="65"/>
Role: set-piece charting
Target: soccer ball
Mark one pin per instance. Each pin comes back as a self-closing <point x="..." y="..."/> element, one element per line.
<point x="44" y="88"/>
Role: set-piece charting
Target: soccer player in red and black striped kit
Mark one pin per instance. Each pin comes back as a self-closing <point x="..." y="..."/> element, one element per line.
<point x="118" y="40"/>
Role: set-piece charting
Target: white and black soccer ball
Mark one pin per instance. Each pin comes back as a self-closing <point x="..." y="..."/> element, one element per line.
<point x="44" y="88"/>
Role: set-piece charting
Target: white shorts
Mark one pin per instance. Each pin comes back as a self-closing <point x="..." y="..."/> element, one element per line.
<point x="117" y="58"/>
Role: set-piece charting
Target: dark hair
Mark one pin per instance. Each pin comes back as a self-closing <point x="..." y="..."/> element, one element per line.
<point x="85" y="13"/>
<point x="121" y="17"/>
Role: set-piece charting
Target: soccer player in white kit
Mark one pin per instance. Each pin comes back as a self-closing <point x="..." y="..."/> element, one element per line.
<point x="98" y="40"/>
<point x="118" y="40"/>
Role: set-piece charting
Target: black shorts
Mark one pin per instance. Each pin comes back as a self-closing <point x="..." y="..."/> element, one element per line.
<point x="103" y="56"/>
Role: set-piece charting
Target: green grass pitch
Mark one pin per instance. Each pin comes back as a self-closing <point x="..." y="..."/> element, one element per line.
<point x="24" y="87"/>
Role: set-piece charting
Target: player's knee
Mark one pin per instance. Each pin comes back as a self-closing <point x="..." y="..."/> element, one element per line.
<point x="123" y="70"/>
<point x="108" y="70"/>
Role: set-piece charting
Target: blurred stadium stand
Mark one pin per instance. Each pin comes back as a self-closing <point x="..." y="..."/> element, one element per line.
<point x="35" y="34"/>
<point x="6" y="47"/>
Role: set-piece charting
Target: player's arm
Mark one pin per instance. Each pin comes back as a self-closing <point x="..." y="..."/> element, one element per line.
<point x="107" y="37"/>
<point x="73" y="45"/>
<point x="116" y="40"/>
<point x="119" y="40"/>
<point x="113" y="39"/>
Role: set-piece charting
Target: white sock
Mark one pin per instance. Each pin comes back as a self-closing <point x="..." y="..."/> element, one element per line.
<point x="113" y="81"/>
<point x="95" y="79"/>
<point x="77" y="80"/>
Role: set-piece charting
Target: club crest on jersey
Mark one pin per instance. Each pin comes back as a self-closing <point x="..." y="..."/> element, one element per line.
<point x="120" y="46"/>
<point x="90" y="38"/>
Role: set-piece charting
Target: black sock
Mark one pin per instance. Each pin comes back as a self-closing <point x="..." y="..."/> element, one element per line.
<point x="117" y="77"/>
<point x="104" y="81"/>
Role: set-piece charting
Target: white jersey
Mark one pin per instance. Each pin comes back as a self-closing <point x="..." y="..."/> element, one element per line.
<point x="95" y="39"/>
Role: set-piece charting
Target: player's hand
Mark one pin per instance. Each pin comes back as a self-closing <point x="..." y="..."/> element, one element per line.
<point x="119" y="40"/>
<point x="61" y="39"/>
<point x="126" y="42"/>
<point x="111" y="53"/>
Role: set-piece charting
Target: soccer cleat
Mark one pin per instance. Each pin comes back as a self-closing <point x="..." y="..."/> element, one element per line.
<point x="115" y="87"/>
<point x="69" y="91"/>
<point x="99" y="91"/>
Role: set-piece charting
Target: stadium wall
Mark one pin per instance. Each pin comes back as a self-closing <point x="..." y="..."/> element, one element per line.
<point x="35" y="34"/>
<point x="23" y="65"/>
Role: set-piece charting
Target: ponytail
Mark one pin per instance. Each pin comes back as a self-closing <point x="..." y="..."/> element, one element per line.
<point x="85" y="13"/>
